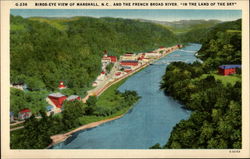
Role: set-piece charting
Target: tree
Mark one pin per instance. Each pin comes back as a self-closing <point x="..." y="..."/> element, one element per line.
<point x="72" y="111"/>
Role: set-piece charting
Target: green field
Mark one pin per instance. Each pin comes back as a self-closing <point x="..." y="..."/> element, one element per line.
<point x="108" y="100"/>
<point x="225" y="79"/>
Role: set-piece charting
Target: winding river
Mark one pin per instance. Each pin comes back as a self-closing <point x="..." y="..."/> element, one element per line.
<point x="149" y="122"/>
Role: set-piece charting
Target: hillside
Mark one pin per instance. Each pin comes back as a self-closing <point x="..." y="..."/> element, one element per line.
<point x="215" y="100"/>
<point x="183" y="26"/>
<point x="44" y="51"/>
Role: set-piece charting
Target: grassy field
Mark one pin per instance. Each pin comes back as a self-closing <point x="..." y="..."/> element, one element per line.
<point x="90" y="119"/>
<point x="225" y="79"/>
<point x="109" y="99"/>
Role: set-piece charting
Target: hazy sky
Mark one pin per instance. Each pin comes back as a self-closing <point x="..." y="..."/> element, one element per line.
<point x="152" y="14"/>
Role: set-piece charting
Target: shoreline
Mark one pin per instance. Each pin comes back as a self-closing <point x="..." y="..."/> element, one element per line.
<point x="62" y="137"/>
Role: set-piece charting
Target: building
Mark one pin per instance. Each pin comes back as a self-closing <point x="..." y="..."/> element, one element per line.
<point x="152" y="54"/>
<point x="102" y="76"/>
<point x="179" y="46"/>
<point x="228" y="69"/>
<point x="61" y="85"/>
<point x="49" y="110"/>
<point x="12" y="116"/>
<point x="129" y="56"/>
<point x="24" y="114"/>
<point x="107" y="59"/>
<point x="57" y="99"/>
<point x="113" y="59"/>
<point x="129" y="63"/>
<point x="22" y="87"/>
<point x="73" y="98"/>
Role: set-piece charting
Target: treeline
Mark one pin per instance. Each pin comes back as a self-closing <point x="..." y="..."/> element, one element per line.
<point x="37" y="131"/>
<point x="216" y="118"/>
<point x="44" y="51"/>
<point x="215" y="122"/>
<point x="222" y="45"/>
<point x="34" y="100"/>
<point x="224" y="32"/>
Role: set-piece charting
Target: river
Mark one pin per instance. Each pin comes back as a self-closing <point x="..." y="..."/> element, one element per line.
<point x="149" y="122"/>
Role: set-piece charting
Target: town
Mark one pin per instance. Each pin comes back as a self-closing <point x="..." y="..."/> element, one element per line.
<point x="114" y="69"/>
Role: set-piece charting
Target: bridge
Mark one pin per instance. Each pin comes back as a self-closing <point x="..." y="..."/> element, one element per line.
<point x="166" y="62"/>
<point x="188" y="51"/>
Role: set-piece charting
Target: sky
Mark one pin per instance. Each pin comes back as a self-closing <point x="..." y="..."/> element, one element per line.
<point x="150" y="14"/>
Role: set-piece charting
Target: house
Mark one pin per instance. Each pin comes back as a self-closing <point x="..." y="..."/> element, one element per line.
<point x="141" y="57"/>
<point x="73" y="97"/>
<point x="24" y="114"/>
<point x="228" y="69"/>
<point x="129" y="56"/>
<point x="49" y="110"/>
<point x="57" y="99"/>
<point x="61" y="85"/>
<point x="113" y="59"/>
<point x="179" y="46"/>
<point x="127" y="70"/>
<point x="118" y="73"/>
<point x="129" y="63"/>
<point x="107" y="59"/>
<point x="12" y="116"/>
<point x="22" y="87"/>
<point x="102" y="76"/>
<point x="152" y="54"/>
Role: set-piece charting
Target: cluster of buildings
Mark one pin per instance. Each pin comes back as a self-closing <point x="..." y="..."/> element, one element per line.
<point x="55" y="101"/>
<point x="130" y="61"/>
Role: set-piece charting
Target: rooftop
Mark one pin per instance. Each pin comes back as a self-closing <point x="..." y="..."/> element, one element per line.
<point x="56" y="95"/>
<point x="229" y="66"/>
<point x="72" y="97"/>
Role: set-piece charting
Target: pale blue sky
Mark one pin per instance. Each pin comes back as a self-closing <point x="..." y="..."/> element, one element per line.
<point x="151" y="14"/>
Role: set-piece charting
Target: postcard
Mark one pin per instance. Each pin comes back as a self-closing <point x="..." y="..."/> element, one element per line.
<point x="124" y="79"/>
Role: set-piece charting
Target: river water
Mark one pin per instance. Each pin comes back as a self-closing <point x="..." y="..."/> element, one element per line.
<point x="149" y="122"/>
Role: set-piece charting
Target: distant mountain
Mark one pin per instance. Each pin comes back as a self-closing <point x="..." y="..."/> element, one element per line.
<point x="185" y="25"/>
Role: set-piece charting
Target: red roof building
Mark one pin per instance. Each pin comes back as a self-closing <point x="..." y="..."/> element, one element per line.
<point x="127" y="70"/>
<point x="129" y="54"/>
<point x="228" y="69"/>
<point x="61" y="85"/>
<point x="57" y="99"/>
<point x="24" y="114"/>
<point x="129" y="63"/>
<point x="113" y="58"/>
<point x="118" y="73"/>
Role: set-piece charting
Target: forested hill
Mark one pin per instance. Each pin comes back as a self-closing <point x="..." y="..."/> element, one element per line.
<point x="215" y="100"/>
<point x="222" y="45"/>
<point x="44" y="51"/>
<point x="205" y="32"/>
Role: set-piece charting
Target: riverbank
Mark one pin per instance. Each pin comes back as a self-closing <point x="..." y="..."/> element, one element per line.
<point x="62" y="137"/>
